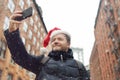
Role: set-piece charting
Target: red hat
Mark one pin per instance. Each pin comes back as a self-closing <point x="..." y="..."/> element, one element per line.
<point x="52" y="33"/>
<point x="47" y="38"/>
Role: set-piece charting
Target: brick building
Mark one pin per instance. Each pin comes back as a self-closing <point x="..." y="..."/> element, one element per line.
<point x="105" y="57"/>
<point x="32" y="30"/>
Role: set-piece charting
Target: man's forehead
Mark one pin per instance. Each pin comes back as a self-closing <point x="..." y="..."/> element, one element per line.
<point x="59" y="35"/>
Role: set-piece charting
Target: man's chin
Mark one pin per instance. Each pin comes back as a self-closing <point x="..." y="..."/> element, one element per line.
<point x="56" y="49"/>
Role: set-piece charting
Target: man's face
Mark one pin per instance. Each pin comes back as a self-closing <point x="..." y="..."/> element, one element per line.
<point x="59" y="43"/>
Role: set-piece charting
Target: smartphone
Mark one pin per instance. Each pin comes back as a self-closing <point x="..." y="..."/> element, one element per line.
<point x="25" y="14"/>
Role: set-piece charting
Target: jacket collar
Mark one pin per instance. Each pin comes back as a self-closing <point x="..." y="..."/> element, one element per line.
<point x="61" y="55"/>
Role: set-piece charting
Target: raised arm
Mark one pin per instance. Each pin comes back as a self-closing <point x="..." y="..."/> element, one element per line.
<point x="17" y="48"/>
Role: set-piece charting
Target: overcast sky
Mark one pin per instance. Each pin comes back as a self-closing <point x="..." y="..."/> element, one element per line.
<point x="75" y="16"/>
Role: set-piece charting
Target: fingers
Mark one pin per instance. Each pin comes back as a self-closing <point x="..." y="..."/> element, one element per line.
<point x="14" y="21"/>
<point x="16" y="14"/>
<point x="14" y="24"/>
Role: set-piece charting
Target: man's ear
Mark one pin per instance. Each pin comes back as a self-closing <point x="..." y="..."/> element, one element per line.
<point x="68" y="45"/>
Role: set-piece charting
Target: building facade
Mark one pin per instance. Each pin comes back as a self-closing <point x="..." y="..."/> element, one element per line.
<point x="78" y="54"/>
<point x="105" y="56"/>
<point x="32" y="30"/>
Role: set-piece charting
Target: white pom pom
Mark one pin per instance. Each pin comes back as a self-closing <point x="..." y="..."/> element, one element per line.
<point x="43" y="51"/>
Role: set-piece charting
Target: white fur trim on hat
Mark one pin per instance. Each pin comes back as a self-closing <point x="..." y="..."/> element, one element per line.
<point x="43" y="51"/>
<point x="59" y="32"/>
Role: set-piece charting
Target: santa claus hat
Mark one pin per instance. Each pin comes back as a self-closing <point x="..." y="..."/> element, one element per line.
<point x="59" y="32"/>
<point x="49" y="36"/>
<point x="52" y="33"/>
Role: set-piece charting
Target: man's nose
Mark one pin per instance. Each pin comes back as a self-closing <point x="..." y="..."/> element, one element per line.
<point x="56" y="41"/>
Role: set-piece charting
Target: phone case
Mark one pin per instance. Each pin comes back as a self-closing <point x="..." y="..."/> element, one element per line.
<point x="26" y="13"/>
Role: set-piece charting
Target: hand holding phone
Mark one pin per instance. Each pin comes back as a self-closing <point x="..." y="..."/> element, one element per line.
<point x="26" y="13"/>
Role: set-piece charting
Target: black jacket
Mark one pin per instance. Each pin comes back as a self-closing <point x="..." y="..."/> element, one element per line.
<point x="56" y="68"/>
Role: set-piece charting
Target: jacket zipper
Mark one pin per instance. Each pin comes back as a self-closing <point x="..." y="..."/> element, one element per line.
<point x="61" y="56"/>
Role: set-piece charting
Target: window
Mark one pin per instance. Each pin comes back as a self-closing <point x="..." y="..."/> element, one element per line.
<point x="25" y="27"/>
<point x="3" y="46"/>
<point x="11" y="5"/>
<point x="28" y="2"/>
<point x="36" y="18"/>
<point x="41" y="39"/>
<point x="38" y="34"/>
<point x="9" y="77"/>
<point x="39" y="24"/>
<point x="21" y="4"/>
<point x="44" y="34"/>
<point x="30" y="34"/>
<point x="116" y="1"/>
<point x="6" y="23"/>
<point x="23" y="39"/>
<point x="42" y="30"/>
<point x="34" y="40"/>
<point x="106" y="3"/>
<point x="33" y="11"/>
<point x="31" y="21"/>
<point x="28" y="48"/>
<point x="35" y="28"/>
<point x="118" y="13"/>
<point x="38" y="44"/>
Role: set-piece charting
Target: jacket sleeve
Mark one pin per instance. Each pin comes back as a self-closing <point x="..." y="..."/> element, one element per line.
<point x="84" y="74"/>
<point x="19" y="53"/>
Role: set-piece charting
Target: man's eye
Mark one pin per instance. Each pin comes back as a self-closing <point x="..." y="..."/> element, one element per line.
<point x="52" y="40"/>
<point x="60" y="39"/>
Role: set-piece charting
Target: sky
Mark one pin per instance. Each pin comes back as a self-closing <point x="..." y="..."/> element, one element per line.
<point x="75" y="16"/>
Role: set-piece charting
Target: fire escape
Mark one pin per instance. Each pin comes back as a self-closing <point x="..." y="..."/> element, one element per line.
<point x="113" y="35"/>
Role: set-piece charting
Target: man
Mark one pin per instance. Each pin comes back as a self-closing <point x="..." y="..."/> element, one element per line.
<point x="60" y="65"/>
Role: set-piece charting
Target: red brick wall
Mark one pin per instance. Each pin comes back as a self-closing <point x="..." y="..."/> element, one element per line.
<point x="106" y="51"/>
<point x="5" y="63"/>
